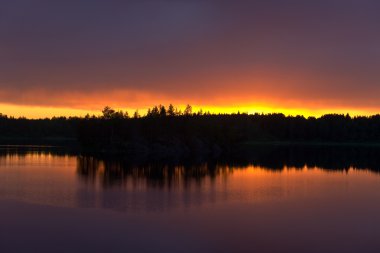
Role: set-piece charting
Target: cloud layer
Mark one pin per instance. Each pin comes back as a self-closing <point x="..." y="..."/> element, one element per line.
<point x="83" y="53"/>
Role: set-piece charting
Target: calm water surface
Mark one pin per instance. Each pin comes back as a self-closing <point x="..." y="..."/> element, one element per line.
<point x="57" y="202"/>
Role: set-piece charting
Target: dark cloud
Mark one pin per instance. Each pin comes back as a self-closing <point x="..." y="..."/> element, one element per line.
<point x="301" y="50"/>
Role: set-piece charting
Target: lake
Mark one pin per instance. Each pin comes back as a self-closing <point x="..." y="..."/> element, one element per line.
<point x="273" y="199"/>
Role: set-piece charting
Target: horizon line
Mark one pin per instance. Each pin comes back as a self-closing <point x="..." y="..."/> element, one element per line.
<point x="62" y="112"/>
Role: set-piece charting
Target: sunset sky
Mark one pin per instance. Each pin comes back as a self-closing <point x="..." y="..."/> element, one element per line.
<point x="297" y="57"/>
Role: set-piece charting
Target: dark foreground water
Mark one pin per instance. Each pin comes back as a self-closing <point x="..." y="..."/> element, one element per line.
<point x="284" y="200"/>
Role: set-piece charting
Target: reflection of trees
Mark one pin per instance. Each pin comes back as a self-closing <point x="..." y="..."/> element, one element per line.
<point x="159" y="174"/>
<point x="111" y="171"/>
<point x="23" y="151"/>
<point x="167" y="173"/>
<point x="324" y="157"/>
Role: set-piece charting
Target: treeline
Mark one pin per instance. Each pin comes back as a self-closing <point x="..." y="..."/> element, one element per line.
<point x="170" y="131"/>
<point x="54" y="131"/>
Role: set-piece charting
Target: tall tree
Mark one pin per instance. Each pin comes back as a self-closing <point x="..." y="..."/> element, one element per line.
<point x="171" y="111"/>
<point x="188" y="110"/>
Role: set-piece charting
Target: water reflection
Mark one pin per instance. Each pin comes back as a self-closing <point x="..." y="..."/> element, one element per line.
<point x="157" y="175"/>
<point x="118" y="171"/>
<point x="64" y="178"/>
<point x="267" y="199"/>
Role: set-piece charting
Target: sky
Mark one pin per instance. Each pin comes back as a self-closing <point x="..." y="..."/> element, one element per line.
<point x="292" y="56"/>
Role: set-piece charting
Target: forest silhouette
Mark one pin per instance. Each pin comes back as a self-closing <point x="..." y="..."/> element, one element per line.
<point x="168" y="131"/>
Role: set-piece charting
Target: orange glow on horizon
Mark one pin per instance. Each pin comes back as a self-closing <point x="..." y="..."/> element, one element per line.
<point x="35" y="112"/>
